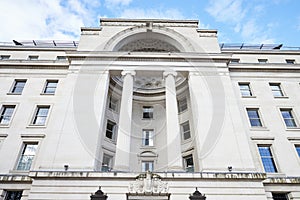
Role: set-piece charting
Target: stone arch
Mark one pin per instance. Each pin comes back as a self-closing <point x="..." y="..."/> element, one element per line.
<point x="161" y="39"/>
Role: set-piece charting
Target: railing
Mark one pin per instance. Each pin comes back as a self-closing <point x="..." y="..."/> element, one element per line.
<point x="235" y="46"/>
<point x="41" y="43"/>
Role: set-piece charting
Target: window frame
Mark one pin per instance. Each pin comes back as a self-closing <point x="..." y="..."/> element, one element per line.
<point x="148" y="112"/>
<point x="286" y="194"/>
<point x="279" y="89"/>
<point x="248" y="90"/>
<point x="234" y="61"/>
<point x="143" y="168"/>
<point x="5" y="57"/>
<point x="14" y="86"/>
<point x="22" y="154"/>
<point x="116" y="103"/>
<point x="113" y="131"/>
<point x="294" y="119"/>
<point x="259" y="117"/>
<point x="290" y="61"/>
<point x="272" y="157"/>
<point x="187" y="167"/>
<point x="61" y="58"/>
<point x="150" y="137"/>
<point x="48" y="81"/>
<point x="182" y="104"/>
<point x="108" y="167"/>
<point x="262" y="60"/>
<point x="7" y="191"/>
<point x="183" y="132"/>
<point x="35" y="116"/>
<point x="33" y="57"/>
<point x="2" y="110"/>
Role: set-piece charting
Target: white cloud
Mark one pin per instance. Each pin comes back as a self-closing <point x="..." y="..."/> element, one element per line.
<point x="226" y="10"/>
<point x="113" y="4"/>
<point x="42" y="19"/>
<point x="152" y="13"/>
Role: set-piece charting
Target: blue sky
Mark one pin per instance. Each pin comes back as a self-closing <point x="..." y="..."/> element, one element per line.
<point x="237" y="21"/>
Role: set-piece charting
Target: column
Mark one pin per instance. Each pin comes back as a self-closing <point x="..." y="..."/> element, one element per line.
<point x="172" y="124"/>
<point x="122" y="157"/>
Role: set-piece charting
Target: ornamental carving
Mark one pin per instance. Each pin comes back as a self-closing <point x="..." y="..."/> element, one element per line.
<point x="148" y="183"/>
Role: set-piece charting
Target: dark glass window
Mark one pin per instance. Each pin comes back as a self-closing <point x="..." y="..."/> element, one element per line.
<point x="147" y="112"/>
<point x="276" y="89"/>
<point x="298" y="149"/>
<point x="280" y="196"/>
<point x="245" y="89"/>
<point x="186" y="133"/>
<point x="288" y="118"/>
<point x="182" y="105"/>
<point x="41" y="115"/>
<point x="110" y="129"/>
<point x="6" y="114"/>
<point x="254" y="117"/>
<point x="189" y="163"/>
<point x="267" y="158"/>
<point x="28" y="154"/>
<point x="50" y="86"/>
<point x="18" y="86"/>
<point x="13" y="195"/>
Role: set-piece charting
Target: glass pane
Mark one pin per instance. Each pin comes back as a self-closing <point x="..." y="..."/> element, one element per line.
<point x="43" y="111"/>
<point x="253" y="114"/>
<point x="13" y="195"/>
<point x="298" y="150"/>
<point x="267" y="159"/>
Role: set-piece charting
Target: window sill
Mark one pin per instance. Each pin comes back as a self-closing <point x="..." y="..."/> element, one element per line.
<point x="292" y="129"/>
<point x="9" y="93"/>
<point x="110" y="140"/>
<point x="186" y="141"/>
<point x="3" y="135"/>
<point x="47" y="94"/>
<point x="275" y="174"/>
<point x="113" y="111"/>
<point x="249" y="97"/>
<point x="148" y="147"/>
<point x="283" y="97"/>
<point x="184" y="111"/>
<point x="19" y="172"/>
<point x="36" y="126"/>
<point x="4" y="125"/>
<point x="147" y="119"/>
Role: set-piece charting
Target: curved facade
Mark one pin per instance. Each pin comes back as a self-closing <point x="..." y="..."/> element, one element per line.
<point x="149" y="109"/>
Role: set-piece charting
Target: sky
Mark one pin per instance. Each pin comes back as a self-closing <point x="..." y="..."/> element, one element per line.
<point x="237" y="21"/>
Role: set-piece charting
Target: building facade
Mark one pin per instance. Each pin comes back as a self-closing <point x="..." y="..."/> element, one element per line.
<point x="149" y="109"/>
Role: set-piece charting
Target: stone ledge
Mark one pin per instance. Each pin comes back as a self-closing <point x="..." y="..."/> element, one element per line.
<point x="285" y="180"/>
<point x="14" y="178"/>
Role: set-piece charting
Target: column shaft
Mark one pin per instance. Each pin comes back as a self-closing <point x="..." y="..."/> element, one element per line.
<point x="122" y="157"/>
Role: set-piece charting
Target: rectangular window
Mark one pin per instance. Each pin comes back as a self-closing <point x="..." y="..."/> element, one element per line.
<point x="50" y="86"/>
<point x="297" y="147"/>
<point x="61" y="58"/>
<point x="13" y="195"/>
<point x="147" y="166"/>
<point x="106" y="163"/>
<point x="4" y="57"/>
<point x="147" y="112"/>
<point x="110" y="129"/>
<point x="182" y="105"/>
<point x="254" y="117"/>
<point x="262" y="61"/>
<point x="147" y="137"/>
<point x="290" y="61"/>
<point x="27" y="156"/>
<point x="18" y="86"/>
<point x="276" y="89"/>
<point x="33" y="57"/>
<point x="267" y="158"/>
<point x="6" y="114"/>
<point x="189" y="163"/>
<point x="234" y="60"/>
<point x="185" y="128"/>
<point x="245" y="89"/>
<point x="113" y="104"/>
<point x="280" y="196"/>
<point x="40" y="116"/>
<point x="288" y="118"/>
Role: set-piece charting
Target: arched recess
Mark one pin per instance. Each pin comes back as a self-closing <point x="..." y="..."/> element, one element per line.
<point x="167" y="37"/>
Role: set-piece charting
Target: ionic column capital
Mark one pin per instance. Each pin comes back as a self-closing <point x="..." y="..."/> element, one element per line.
<point x="129" y="72"/>
<point x="169" y="72"/>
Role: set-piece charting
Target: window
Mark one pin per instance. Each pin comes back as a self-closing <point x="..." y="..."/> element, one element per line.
<point x="147" y="137"/>
<point x="288" y="118"/>
<point x="106" y="163"/>
<point x="185" y="128"/>
<point x="4" y="57"/>
<point x="245" y="89"/>
<point x="40" y="116"/>
<point x="280" y="196"/>
<point x="189" y="163"/>
<point x="290" y="61"/>
<point x="262" y="60"/>
<point x="27" y="156"/>
<point x="234" y="60"/>
<point x="33" y="57"/>
<point x="254" y="117"/>
<point x="182" y="105"/>
<point x="13" y="195"/>
<point x="113" y="104"/>
<point x="267" y="158"/>
<point x="147" y="166"/>
<point x="276" y="89"/>
<point x="18" y="86"/>
<point x="110" y="129"/>
<point x="6" y="114"/>
<point x="61" y="58"/>
<point x="50" y="86"/>
<point x="147" y="112"/>
<point x="297" y="147"/>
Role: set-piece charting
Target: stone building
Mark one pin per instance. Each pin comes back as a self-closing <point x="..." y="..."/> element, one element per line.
<point x="149" y="109"/>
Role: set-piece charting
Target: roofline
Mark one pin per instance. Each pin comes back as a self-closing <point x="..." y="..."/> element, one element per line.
<point x="149" y="20"/>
